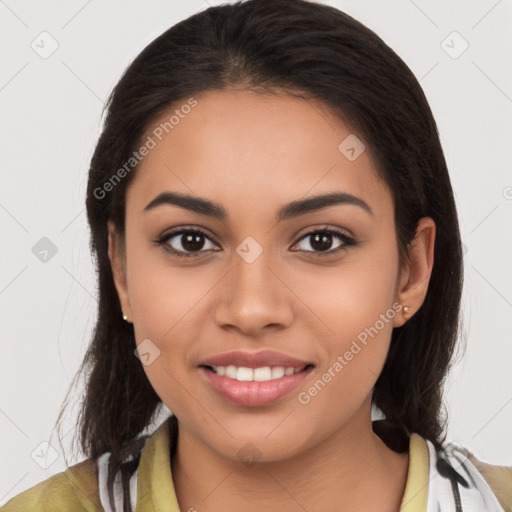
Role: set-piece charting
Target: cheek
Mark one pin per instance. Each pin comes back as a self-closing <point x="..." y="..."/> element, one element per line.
<point x="166" y="307"/>
<point x="353" y="360"/>
<point x="354" y="305"/>
<point x="164" y="296"/>
<point x="351" y="296"/>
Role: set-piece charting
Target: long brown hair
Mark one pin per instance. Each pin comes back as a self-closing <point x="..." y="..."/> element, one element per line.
<point x="323" y="53"/>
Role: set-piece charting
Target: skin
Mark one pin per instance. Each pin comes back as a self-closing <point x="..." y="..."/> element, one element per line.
<point x="253" y="154"/>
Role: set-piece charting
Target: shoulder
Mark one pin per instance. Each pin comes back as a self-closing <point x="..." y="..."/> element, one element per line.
<point x="100" y="484"/>
<point x="75" y="489"/>
<point x="499" y="479"/>
<point x="490" y="483"/>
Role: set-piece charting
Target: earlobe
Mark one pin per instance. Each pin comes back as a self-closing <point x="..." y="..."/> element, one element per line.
<point x="415" y="279"/>
<point x="117" y="263"/>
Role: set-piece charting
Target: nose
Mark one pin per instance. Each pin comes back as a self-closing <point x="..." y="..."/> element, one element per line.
<point x="254" y="298"/>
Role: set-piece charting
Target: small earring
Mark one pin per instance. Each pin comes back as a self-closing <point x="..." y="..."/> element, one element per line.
<point x="406" y="310"/>
<point x="125" y="318"/>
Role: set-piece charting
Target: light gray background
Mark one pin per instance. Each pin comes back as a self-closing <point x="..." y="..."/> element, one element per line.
<point x="51" y="113"/>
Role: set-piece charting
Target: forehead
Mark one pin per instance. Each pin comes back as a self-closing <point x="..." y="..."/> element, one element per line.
<point x="255" y="148"/>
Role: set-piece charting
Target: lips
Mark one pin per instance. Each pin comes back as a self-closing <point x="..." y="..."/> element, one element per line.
<point x="253" y="394"/>
<point x="254" y="390"/>
<point x="253" y="360"/>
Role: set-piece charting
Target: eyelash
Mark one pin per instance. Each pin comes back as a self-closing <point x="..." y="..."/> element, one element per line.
<point x="347" y="241"/>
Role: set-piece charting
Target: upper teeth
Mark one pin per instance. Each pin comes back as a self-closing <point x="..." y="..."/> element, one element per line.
<point x="255" y="374"/>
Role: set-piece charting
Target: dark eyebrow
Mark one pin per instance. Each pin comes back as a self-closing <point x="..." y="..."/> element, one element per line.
<point x="293" y="209"/>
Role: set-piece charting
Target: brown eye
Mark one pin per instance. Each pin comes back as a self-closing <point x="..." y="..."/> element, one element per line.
<point x="321" y="242"/>
<point x="186" y="242"/>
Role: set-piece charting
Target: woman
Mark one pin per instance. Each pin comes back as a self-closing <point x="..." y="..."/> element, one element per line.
<point x="278" y="254"/>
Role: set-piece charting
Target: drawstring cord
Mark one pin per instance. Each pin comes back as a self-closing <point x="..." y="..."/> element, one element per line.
<point x="445" y="469"/>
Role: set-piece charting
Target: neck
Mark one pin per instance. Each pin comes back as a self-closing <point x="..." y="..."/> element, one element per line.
<point x="352" y="469"/>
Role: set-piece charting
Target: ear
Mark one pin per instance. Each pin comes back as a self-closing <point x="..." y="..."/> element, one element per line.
<point x="415" y="276"/>
<point x="116" y="253"/>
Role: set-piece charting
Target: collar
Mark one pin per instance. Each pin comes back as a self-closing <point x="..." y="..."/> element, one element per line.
<point x="416" y="488"/>
<point x="155" y="488"/>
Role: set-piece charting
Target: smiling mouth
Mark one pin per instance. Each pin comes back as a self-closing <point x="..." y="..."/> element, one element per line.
<point x="261" y="374"/>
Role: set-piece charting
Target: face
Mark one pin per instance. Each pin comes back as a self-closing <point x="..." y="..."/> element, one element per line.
<point x="320" y="285"/>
